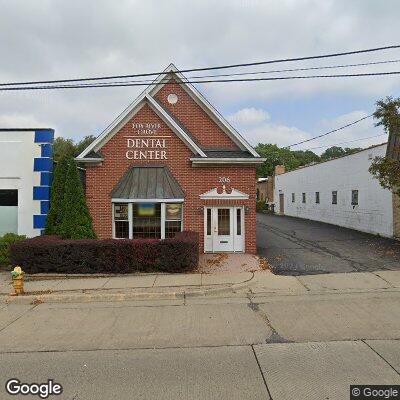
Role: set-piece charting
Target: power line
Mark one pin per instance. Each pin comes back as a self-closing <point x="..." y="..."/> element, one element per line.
<point x="349" y="141"/>
<point x="85" y="86"/>
<point x="149" y="81"/>
<point x="282" y="60"/>
<point x="332" y="131"/>
<point x="297" y="69"/>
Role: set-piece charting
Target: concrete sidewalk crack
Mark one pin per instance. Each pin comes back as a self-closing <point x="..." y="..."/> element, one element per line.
<point x="379" y="355"/>
<point x="275" y="337"/>
<point x="16" y="319"/>
<point x="261" y="372"/>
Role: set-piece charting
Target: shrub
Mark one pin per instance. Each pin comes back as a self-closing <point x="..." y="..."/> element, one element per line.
<point x="5" y="242"/>
<point x="76" y="222"/>
<point x="53" y="219"/>
<point x="54" y="254"/>
<point x="260" y="205"/>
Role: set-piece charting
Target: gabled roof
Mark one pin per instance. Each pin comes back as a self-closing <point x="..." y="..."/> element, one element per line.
<point x="172" y="71"/>
<point x="147" y="96"/>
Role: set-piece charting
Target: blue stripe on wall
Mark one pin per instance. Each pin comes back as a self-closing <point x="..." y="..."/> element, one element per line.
<point x="43" y="164"/>
<point x="44" y="136"/>
<point x="44" y="207"/>
<point x="46" y="178"/>
<point x="47" y="150"/>
<point x="41" y="192"/>
<point x="39" y="221"/>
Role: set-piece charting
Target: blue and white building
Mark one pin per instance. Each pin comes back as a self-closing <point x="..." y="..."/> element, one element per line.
<point x="26" y="171"/>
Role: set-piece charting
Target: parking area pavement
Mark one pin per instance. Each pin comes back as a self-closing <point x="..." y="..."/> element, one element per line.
<point x="295" y="246"/>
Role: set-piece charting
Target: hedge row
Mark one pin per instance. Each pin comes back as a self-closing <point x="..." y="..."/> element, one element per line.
<point x="89" y="256"/>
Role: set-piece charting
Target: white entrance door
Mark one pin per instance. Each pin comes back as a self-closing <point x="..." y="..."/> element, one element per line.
<point x="224" y="229"/>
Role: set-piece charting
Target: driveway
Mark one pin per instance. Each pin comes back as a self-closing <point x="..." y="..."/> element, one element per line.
<point x="295" y="246"/>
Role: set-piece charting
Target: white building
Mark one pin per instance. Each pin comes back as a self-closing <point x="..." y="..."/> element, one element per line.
<point x="26" y="165"/>
<point x="339" y="191"/>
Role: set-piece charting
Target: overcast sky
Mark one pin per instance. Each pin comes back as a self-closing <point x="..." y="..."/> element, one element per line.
<point x="68" y="39"/>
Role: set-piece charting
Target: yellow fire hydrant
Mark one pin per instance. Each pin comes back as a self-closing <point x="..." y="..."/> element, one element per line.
<point x="18" y="280"/>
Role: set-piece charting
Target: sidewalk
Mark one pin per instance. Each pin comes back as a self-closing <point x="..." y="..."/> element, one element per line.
<point x="172" y="286"/>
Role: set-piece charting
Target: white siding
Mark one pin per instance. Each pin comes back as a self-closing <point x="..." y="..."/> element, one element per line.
<point x="374" y="212"/>
<point x="17" y="151"/>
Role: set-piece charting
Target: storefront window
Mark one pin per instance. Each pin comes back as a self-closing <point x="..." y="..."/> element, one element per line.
<point x="121" y="221"/>
<point x="173" y="219"/>
<point x="146" y="220"/>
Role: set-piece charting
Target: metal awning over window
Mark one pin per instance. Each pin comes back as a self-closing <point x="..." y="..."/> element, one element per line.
<point x="149" y="183"/>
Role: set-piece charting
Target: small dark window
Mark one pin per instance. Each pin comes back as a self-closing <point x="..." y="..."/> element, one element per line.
<point x="334" y="197"/>
<point x="293" y="198"/>
<point x="304" y="197"/>
<point x="239" y="221"/>
<point x="354" y="197"/>
<point x="208" y="221"/>
<point x="8" y="197"/>
<point x="317" y="197"/>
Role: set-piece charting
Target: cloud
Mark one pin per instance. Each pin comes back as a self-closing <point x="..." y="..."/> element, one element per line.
<point x="249" y="116"/>
<point x="57" y="39"/>
<point x="268" y="131"/>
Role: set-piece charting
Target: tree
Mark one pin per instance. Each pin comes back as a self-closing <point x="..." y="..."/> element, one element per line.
<point x="68" y="148"/>
<point x="336" y="151"/>
<point x="54" y="216"/>
<point x="80" y="146"/>
<point x="76" y="220"/>
<point x="63" y="148"/>
<point x="282" y="156"/>
<point x="306" y="156"/>
<point x="387" y="169"/>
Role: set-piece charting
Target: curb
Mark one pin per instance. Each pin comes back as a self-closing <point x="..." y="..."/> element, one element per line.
<point x="122" y="296"/>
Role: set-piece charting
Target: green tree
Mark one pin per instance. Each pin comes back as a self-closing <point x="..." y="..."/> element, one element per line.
<point x="275" y="155"/>
<point x="81" y="145"/>
<point x="63" y="148"/>
<point x="306" y="156"/>
<point x="336" y="151"/>
<point x="68" y="148"/>
<point x="54" y="217"/>
<point x="387" y="169"/>
<point x="76" y="220"/>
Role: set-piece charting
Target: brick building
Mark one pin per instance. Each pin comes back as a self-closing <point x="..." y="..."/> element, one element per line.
<point x="171" y="162"/>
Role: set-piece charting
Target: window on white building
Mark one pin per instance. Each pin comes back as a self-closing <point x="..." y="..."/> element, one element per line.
<point x="304" y="197"/>
<point x="334" y="197"/>
<point x="317" y="197"/>
<point x="354" y="197"/>
<point x="293" y="198"/>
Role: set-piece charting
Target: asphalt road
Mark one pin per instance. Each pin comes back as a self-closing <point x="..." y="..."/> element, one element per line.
<point x="205" y="348"/>
<point x="295" y="246"/>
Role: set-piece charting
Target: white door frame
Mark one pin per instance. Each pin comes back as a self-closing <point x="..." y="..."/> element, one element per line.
<point x="234" y="242"/>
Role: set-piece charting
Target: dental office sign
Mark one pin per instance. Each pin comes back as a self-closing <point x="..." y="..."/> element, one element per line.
<point x="146" y="143"/>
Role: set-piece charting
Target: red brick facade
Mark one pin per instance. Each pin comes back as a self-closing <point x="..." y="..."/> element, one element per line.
<point x="194" y="180"/>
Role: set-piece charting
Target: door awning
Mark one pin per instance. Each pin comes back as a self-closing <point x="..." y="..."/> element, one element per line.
<point x="151" y="183"/>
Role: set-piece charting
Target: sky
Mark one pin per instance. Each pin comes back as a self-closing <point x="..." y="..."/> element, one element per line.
<point x="58" y="39"/>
